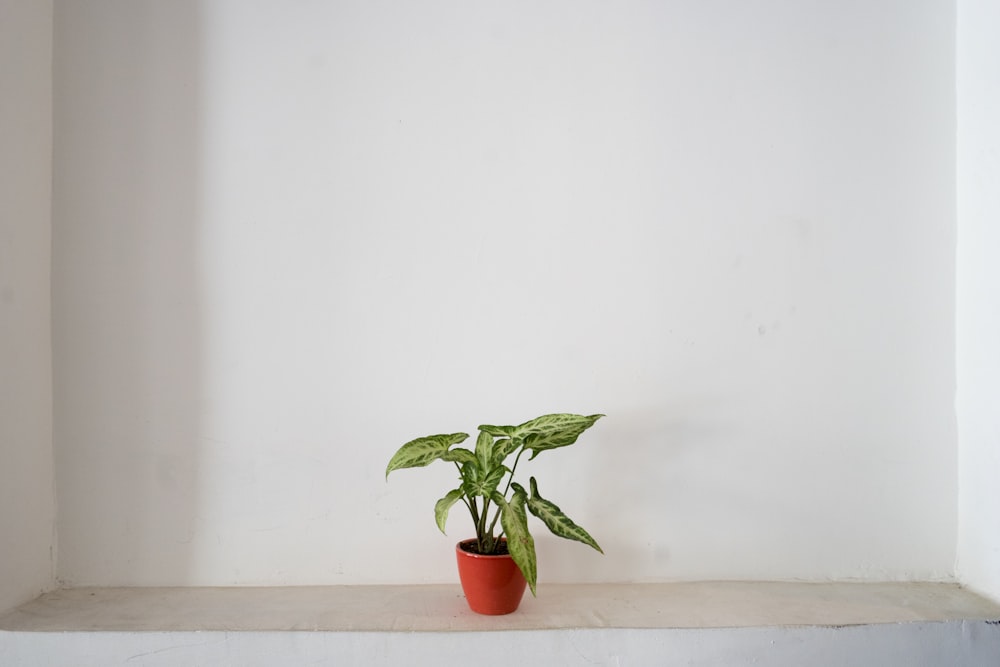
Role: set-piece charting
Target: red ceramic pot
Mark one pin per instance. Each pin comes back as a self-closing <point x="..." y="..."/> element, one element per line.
<point x="493" y="584"/>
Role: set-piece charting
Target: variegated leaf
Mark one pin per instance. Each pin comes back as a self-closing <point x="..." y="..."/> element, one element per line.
<point x="470" y="478"/>
<point x="484" y="450"/>
<point x="552" y="431"/>
<point x="520" y="544"/>
<point x="497" y="431"/>
<point x="504" y="448"/>
<point x="442" y="507"/>
<point x="478" y="484"/>
<point x="422" y="451"/>
<point x="460" y="455"/>
<point x="560" y="524"/>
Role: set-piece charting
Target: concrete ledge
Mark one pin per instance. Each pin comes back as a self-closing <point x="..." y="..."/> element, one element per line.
<point x="710" y="623"/>
<point x="443" y="608"/>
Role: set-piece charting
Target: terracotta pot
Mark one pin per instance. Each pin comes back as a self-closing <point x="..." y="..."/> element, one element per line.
<point x="493" y="584"/>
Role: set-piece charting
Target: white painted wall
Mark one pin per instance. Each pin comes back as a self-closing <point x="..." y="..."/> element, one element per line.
<point x="27" y="501"/>
<point x="978" y="307"/>
<point x="289" y="237"/>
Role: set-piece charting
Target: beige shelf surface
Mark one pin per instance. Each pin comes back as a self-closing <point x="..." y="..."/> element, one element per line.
<point x="442" y="608"/>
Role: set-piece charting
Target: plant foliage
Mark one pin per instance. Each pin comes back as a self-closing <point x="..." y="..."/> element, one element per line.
<point x="484" y="471"/>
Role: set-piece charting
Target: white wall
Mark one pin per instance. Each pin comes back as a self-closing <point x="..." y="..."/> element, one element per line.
<point x="978" y="307"/>
<point x="27" y="502"/>
<point x="289" y="237"/>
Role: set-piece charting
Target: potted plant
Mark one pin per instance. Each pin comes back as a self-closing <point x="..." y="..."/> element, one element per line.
<point x="505" y="558"/>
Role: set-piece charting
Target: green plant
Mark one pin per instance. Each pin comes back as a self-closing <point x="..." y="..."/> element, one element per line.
<point x="484" y="470"/>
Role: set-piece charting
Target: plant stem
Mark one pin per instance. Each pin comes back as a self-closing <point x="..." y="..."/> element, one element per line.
<point x="494" y="522"/>
<point x="510" y="479"/>
<point x="481" y="526"/>
<point x="472" y="508"/>
<point x="475" y="515"/>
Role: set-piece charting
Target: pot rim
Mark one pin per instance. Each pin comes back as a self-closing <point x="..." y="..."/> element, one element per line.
<point x="469" y="554"/>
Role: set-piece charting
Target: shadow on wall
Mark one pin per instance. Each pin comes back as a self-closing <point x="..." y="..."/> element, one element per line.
<point x="127" y="358"/>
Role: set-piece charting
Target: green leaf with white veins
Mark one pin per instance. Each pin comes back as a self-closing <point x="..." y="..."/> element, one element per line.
<point x="504" y="448"/>
<point x="422" y="451"/>
<point x="520" y="544"/>
<point x="553" y="517"/>
<point x="552" y="431"/>
<point x="498" y="431"/>
<point x="484" y="450"/>
<point x="459" y="455"/>
<point x="442" y="507"/>
<point x="475" y="483"/>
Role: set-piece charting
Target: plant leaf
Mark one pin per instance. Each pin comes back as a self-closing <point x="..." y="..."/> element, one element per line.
<point x="484" y="450"/>
<point x="498" y="431"/>
<point x="422" y="451"/>
<point x="460" y="454"/>
<point x="442" y="507"/>
<point x="556" y="430"/>
<point x="504" y="448"/>
<point x="520" y="544"/>
<point x="475" y="483"/>
<point x="553" y="517"/>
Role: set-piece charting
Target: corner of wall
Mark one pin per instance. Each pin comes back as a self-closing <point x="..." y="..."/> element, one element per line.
<point x="978" y="282"/>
